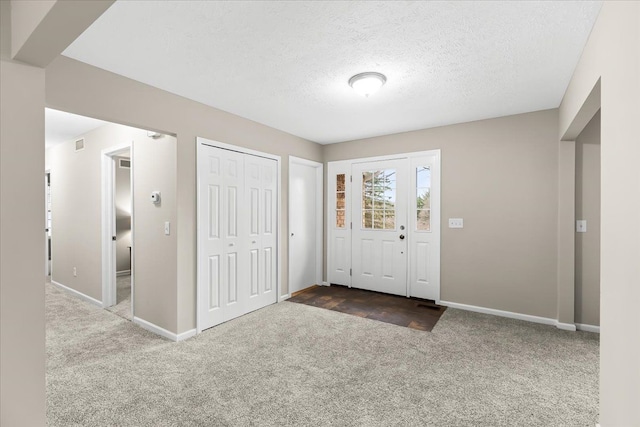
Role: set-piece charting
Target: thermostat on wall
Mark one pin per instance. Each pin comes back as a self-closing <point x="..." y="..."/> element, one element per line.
<point x="155" y="197"/>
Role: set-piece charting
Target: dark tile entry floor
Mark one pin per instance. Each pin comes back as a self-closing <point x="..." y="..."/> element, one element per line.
<point x="402" y="311"/>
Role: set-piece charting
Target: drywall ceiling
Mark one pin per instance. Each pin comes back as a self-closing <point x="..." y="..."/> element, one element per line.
<point x="286" y="64"/>
<point x="61" y="126"/>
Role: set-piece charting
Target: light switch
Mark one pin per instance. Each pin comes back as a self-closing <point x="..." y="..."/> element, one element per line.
<point x="456" y="223"/>
<point x="167" y="228"/>
<point x="581" y="226"/>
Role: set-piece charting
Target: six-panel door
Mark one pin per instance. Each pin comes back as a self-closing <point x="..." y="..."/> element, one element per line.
<point x="237" y="234"/>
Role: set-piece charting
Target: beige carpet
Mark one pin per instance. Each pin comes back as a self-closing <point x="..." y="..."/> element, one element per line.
<point x="295" y="365"/>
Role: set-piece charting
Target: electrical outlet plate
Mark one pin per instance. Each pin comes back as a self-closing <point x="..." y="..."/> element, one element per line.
<point x="456" y="223"/>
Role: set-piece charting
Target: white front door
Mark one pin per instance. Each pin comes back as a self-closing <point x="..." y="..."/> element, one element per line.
<point x="379" y="226"/>
<point x="237" y="234"/>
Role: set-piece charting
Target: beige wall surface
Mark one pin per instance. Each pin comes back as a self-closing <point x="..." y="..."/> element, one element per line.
<point x="22" y="245"/>
<point x="76" y="208"/>
<point x="500" y="175"/>
<point x="587" y="273"/>
<point x="612" y="54"/>
<point x="154" y="253"/>
<point x="82" y="89"/>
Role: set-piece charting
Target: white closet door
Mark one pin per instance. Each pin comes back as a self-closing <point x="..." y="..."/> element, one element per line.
<point x="220" y="235"/>
<point x="261" y="209"/>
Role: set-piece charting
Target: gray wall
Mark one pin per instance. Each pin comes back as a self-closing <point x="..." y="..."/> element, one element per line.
<point x="77" y="217"/>
<point x="587" y="273"/>
<point x="22" y="224"/>
<point x="612" y="55"/>
<point x="500" y="175"/>
<point x="123" y="215"/>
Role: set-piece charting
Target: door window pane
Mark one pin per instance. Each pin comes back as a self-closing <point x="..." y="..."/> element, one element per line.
<point x="379" y="199"/>
<point x="340" y="200"/>
<point x="423" y="198"/>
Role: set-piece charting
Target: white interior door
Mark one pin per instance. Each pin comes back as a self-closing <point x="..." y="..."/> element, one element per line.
<point x="237" y="234"/>
<point x="221" y="186"/>
<point x="303" y="219"/>
<point x="379" y="229"/>
<point x="260" y="206"/>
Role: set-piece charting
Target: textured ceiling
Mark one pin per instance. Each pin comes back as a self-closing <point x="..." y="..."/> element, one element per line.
<point x="286" y="64"/>
<point x="62" y="127"/>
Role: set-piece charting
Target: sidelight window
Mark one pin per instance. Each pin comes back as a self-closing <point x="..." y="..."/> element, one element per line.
<point x="340" y="200"/>
<point x="423" y="198"/>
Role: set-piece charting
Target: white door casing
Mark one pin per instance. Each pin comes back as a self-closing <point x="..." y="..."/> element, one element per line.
<point x="237" y="233"/>
<point x="422" y="227"/>
<point x="379" y="232"/>
<point x="305" y="223"/>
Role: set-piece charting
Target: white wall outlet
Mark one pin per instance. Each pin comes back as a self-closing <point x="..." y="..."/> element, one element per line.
<point x="456" y="223"/>
<point x="167" y="228"/>
<point x="75" y="272"/>
<point x="581" y="226"/>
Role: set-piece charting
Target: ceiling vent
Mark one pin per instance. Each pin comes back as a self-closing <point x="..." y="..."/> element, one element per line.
<point x="125" y="163"/>
<point x="80" y="144"/>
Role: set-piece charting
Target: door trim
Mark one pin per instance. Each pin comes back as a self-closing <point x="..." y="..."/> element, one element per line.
<point x="319" y="167"/>
<point x="200" y="143"/>
<point x="108" y="224"/>
<point x="345" y="166"/>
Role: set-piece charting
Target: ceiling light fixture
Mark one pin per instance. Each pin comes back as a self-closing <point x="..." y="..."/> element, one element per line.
<point x="367" y="83"/>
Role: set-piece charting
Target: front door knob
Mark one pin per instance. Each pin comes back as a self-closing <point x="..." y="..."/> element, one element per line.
<point x="402" y="237"/>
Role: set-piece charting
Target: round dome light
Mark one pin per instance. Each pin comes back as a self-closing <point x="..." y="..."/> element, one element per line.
<point x="367" y="83"/>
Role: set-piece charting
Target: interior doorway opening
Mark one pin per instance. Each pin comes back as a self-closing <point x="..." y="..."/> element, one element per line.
<point x="123" y="233"/>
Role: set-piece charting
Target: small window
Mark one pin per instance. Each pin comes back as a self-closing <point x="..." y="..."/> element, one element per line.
<point x="340" y="200"/>
<point x="379" y="199"/>
<point x="423" y="198"/>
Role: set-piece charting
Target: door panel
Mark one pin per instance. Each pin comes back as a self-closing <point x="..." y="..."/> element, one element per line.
<point x="379" y="212"/>
<point x="237" y="234"/>
<point x="302" y="223"/>
<point x="260" y="194"/>
<point x="424" y="271"/>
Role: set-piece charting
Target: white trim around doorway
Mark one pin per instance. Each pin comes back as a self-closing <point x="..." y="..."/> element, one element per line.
<point x="108" y="224"/>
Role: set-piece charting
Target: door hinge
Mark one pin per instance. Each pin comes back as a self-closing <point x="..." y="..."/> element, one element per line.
<point x="351" y="225"/>
<point x="113" y="238"/>
<point x="350" y="178"/>
<point x="350" y="272"/>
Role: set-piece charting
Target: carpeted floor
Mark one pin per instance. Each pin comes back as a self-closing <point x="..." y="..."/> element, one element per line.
<point x="123" y="297"/>
<point x="295" y="365"/>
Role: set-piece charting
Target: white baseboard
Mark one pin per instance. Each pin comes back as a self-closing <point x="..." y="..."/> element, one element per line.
<point x="186" y="335"/>
<point x="325" y="283"/>
<point x="123" y="273"/>
<point x="284" y="297"/>
<point x="566" y="326"/>
<point x="511" y="315"/>
<point x="163" y="332"/>
<point x="77" y="294"/>
<point x="588" y="328"/>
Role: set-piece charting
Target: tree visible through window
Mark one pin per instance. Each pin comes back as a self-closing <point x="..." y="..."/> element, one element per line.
<point x="423" y="198"/>
<point x="379" y="199"/>
<point x="340" y="201"/>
